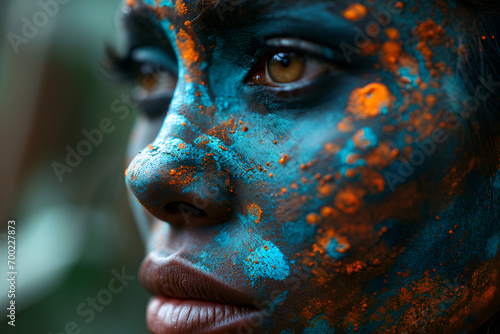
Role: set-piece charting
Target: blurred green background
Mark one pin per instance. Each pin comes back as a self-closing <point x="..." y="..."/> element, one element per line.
<point x="70" y="235"/>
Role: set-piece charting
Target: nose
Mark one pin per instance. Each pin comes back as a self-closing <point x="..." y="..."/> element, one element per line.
<point x="181" y="183"/>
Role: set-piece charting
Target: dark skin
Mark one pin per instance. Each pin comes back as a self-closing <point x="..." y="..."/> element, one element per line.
<point x="312" y="157"/>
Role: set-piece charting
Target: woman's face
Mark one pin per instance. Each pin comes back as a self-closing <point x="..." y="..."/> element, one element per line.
<point x="302" y="167"/>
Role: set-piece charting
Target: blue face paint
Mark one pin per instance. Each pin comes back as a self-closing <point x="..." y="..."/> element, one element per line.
<point x="323" y="151"/>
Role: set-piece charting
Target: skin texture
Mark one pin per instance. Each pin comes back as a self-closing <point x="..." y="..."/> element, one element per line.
<point x="363" y="200"/>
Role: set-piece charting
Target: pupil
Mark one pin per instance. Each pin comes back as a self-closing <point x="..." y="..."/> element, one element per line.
<point x="149" y="70"/>
<point x="283" y="58"/>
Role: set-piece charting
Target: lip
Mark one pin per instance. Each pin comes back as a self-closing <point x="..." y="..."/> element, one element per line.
<point x="188" y="300"/>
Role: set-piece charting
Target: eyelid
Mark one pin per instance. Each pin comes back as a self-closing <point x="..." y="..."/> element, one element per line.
<point x="154" y="55"/>
<point x="304" y="46"/>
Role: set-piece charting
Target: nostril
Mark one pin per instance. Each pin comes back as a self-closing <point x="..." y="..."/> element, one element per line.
<point x="180" y="208"/>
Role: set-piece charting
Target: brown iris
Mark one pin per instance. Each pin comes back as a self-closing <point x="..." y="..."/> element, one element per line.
<point x="149" y="77"/>
<point x="286" y="67"/>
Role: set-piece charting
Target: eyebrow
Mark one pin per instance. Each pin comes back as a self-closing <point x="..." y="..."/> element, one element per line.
<point x="141" y="27"/>
<point x="223" y="14"/>
<point x="218" y="15"/>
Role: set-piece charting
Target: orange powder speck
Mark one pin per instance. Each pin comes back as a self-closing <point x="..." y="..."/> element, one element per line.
<point x="151" y="147"/>
<point x="130" y="2"/>
<point x="352" y="158"/>
<point x="370" y="100"/>
<point x="313" y="218"/>
<point x="325" y="190"/>
<point x="355" y="12"/>
<point x="245" y="129"/>
<point x="390" y="53"/>
<point x="392" y="33"/>
<point x="345" y="127"/>
<point x="360" y="140"/>
<point x="255" y="211"/>
<point x="431" y="100"/>
<point x="332" y="148"/>
<point x="327" y="212"/>
<point x="284" y="159"/>
<point x="180" y="8"/>
<point x="126" y="171"/>
<point x="183" y="124"/>
<point x="346" y="201"/>
<point x="182" y="146"/>
<point x="223" y="148"/>
<point x="271" y="175"/>
<point x="351" y="173"/>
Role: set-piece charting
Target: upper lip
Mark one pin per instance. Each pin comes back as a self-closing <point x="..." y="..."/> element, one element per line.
<point x="176" y="277"/>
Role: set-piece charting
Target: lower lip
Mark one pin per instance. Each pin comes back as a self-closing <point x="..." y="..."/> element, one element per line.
<point x="180" y="316"/>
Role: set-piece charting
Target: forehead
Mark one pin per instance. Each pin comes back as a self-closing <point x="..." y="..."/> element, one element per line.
<point x="229" y="14"/>
<point x="194" y="9"/>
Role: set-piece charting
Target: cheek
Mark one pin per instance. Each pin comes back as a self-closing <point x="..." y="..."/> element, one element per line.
<point x="362" y="171"/>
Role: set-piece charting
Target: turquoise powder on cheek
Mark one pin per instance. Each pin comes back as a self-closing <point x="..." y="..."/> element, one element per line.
<point x="271" y="263"/>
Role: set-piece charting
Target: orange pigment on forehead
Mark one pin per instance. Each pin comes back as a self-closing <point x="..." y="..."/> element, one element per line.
<point x="180" y="8"/>
<point x="187" y="48"/>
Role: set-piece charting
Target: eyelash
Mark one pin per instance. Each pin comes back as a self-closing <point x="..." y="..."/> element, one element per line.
<point x="152" y="104"/>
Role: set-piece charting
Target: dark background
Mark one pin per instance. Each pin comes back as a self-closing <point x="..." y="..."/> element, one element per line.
<point x="70" y="235"/>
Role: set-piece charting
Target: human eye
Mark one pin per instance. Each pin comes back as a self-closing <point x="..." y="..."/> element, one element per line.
<point x="290" y="64"/>
<point x="153" y="72"/>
